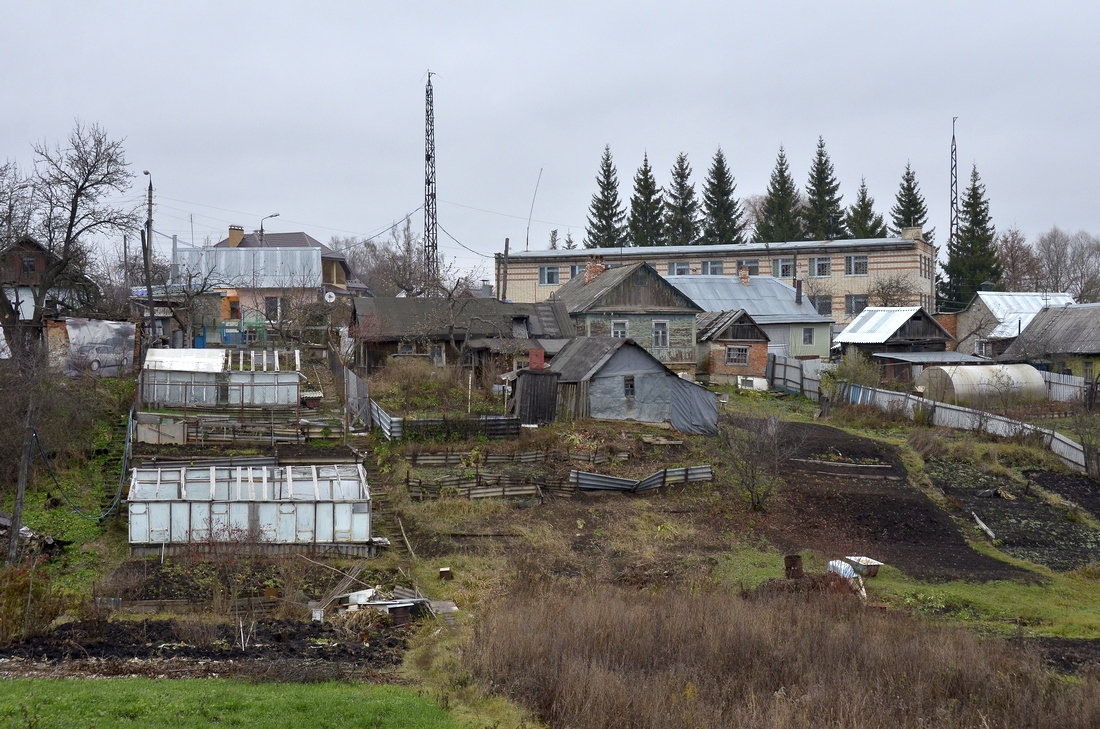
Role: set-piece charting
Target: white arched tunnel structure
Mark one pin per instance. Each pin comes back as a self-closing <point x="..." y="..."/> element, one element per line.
<point x="992" y="384"/>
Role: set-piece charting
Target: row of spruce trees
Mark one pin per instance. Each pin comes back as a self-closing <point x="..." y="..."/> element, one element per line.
<point x="675" y="216"/>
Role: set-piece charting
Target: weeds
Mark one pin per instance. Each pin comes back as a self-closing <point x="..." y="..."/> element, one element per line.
<point x="28" y="602"/>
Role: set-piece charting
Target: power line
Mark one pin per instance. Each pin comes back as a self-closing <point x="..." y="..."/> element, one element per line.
<point x="509" y="215"/>
<point x="456" y="240"/>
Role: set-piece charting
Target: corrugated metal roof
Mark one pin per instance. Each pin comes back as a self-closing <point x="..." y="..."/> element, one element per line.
<point x="1014" y="310"/>
<point x="876" y="324"/>
<point x="390" y="318"/>
<point x="1073" y="329"/>
<point x="950" y="357"/>
<point x="186" y="360"/>
<point x="766" y="299"/>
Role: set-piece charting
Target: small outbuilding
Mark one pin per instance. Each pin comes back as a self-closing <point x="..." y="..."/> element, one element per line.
<point x="982" y="385"/>
<point x="617" y="379"/>
<point x="730" y="345"/>
<point x="880" y="329"/>
<point x="213" y="378"/>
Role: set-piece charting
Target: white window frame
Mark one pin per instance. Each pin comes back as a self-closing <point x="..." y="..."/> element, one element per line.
<point x="817" y="263"/>
<point x="783" y="267"/>
<point x="679" y="268"/>
<point x="850" y="304"/>
<point x="624" y="333"/>
<point x="753" y="264"/>
<point x="664" y="332"/>
<point x="545" y="275"/>
<point x="807" y="334"/>
<point x="575" y="269"/>
<point x="852" y="266"/>
<point x="737" y="355"/>
<point x="711" y="268"/>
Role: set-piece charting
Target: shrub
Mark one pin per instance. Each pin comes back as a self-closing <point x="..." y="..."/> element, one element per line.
<point x="28" y="603"/>
<point x="927" y="443"/>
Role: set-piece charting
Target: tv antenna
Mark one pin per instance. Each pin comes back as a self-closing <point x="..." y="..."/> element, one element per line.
<point x="431" y="220"/>
<point x="527" y="244"/>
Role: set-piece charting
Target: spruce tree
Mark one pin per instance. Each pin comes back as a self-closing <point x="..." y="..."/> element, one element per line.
<point x="569" y="244"/>
<point x="606" y="214"/>
<point x="972" y="256"/>
<point x="909" y="210"/>
<point x="645" y="225"/>
<point x="681" y="207"/>
<point x="824" y="214"/>
<point x="861" y="220"/>
<point x="722" y="222"/>
<point x="781" y="212"/>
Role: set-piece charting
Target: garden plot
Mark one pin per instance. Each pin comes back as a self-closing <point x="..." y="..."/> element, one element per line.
<point x="1025" y="525"/>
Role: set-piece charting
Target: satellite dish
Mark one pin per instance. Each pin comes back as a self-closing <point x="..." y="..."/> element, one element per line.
<point x="330" y="297"/>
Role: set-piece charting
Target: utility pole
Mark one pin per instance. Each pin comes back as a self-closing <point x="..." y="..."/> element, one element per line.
<point x="125" y="266"/>
<point x="953" y="231"/>
<point x="146" y="249"/>
<point x="431" y="220"/>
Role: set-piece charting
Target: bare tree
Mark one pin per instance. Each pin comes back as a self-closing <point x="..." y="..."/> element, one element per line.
<point x="753" y="205"/>
<point x="1021" y="268"/>
<point x="897" y="289"/>
<point x="1071" y="263"/>
<point x="115" y="274"/>
<point x="758" y="449"/>
<point x="70" y="205"/>
<point x="392" y="266"/>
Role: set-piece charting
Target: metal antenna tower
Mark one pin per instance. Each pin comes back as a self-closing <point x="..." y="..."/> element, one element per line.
<point x="954" y="229"/>
<point x="431" y="221"/>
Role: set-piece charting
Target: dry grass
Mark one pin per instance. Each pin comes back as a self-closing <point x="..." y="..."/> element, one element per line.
<point x="622" y="659"/>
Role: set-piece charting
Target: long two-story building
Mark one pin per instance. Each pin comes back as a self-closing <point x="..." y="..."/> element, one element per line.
<point x="840" y="277"/>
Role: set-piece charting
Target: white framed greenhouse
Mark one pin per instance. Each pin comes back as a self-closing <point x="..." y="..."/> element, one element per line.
<point x="206" y="378"/>
<point x="323" y="508"/>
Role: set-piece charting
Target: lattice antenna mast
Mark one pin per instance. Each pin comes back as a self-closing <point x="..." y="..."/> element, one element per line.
<point x="431" y="221"/>
<point x="954" y="229"/>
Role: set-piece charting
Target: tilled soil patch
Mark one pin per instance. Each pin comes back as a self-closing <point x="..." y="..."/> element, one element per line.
<point x="270" y="642"/>
<point x="1079" y="489"/>
<point x="1067" y="655"/>
<point x="881" y="515"/>
<point x="1025" y="525"/>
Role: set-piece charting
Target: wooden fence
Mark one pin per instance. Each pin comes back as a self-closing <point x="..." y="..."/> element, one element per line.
<point x="487" y="485"/>
<point x="458" y="458"/>
<point x="799" y="377"/>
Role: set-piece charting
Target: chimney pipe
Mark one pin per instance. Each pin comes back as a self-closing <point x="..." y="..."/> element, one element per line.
<point x="236" y="235"/>
<point x="798" y="291"/>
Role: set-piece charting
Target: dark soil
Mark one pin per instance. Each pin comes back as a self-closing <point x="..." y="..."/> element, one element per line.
<point x="1079" y="489"/>
<point x="1025" y="525"/>
<point x="874" y="512"/>
<point x="1067" y="655"/>
<point x="273" y="641"/>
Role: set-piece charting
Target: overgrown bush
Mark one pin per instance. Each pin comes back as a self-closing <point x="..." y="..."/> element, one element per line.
<point x="28" y="602"/>
<point x="854" y="368"/>
<point x="614" y="658"/>
<point x="928" y="443"/>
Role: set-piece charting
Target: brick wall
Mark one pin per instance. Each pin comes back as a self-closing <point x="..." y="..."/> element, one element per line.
<point x="720" y="372"/>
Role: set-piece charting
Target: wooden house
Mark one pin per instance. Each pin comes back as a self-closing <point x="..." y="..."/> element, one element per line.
<point x="880" y="329"/>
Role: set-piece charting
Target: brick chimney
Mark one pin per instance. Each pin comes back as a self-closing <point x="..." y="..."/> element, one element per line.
<point x="236" y="235"/>
<point x="593" y="267"/>
<point x="743" y="274"/>
<point x="798" y="291"/>
<point x="914" y="233"/>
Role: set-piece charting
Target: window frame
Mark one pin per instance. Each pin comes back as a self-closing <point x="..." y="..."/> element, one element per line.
<point x="851" y="265"/>
<point x="737" y="354"/>
<point x="545" y="275"/>
<point x="807" y="334"/>
<point x="628" y="387"/>
<point x="29" y="265"/>
<point x="625" y="330"/>
<point x="679" y="268"/>
<point x="778" y="265"/>
<point x="850" y="301"/>
<point x="278" y="301"/>
<point x="753" y="264"/>
<point x="816" y="264"/>
<point x="664" y="332"/>
<point x="575" y="269"/>
<point x="711" y="268"/>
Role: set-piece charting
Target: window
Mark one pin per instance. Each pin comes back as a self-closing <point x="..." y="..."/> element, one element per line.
<point x="618" y="330"/>
<point x="854" y="304"/>
<point x="679" y="268"/>
<point x="628" y="385"/>
<point x="822" y="304"/>
<point x="783" y="267"/>
<point x="405" y="349"/>
<point x="737" y="355"/>
<point x="981" y="347"/>
<point x="712" y="268"/>
<point x="272" y="307"/>
<point x="575" y="269"/>
<point x="750" y="263"/>
<point x="234" y="309"/>
<point x="548" y="275"/>
<point x="1088" y="371"/>
<point x="820" y="267"/>
<point x="808" y="335"/>
<point x="437" y="355"/>
<point x="660" y="334"/>
<point x="855" y="265"/>
<point x="28" y="265"/>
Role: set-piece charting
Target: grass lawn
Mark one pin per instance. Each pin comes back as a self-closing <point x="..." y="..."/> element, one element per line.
<point x="179" y="704"/>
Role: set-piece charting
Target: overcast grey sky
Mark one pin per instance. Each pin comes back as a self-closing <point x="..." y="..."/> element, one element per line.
<point x="316" y="110"/>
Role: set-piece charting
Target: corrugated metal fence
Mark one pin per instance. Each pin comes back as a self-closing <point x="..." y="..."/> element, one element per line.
<point x="1064" y="388"/>
<point x="955" y="416"/>
<point x="495" y="427"/>
<point x="599" y="482"/>
<point x="800" y="377"/>
<point x="486" y="485"/>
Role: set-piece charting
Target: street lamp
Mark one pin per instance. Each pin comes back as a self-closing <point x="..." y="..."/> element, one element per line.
<point x="273" y="215"/>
